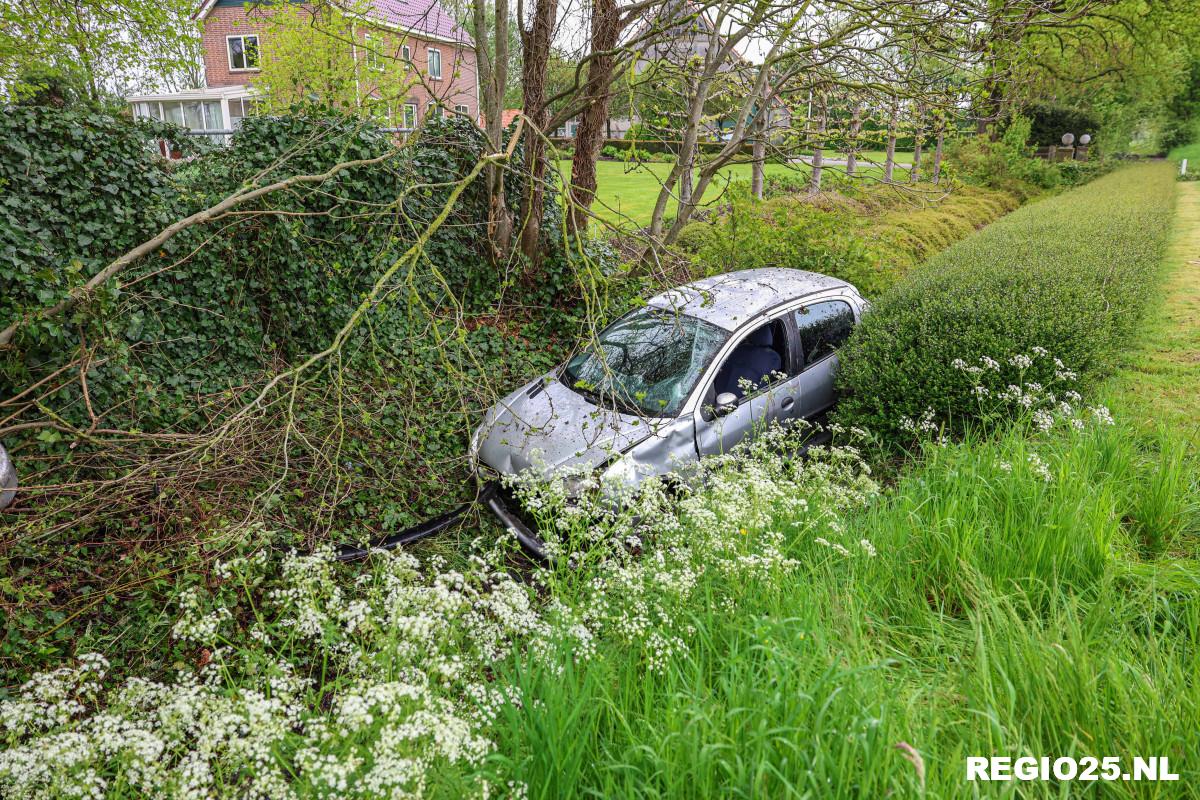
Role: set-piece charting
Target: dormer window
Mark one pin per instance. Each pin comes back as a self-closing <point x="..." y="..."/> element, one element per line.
<point x="435" y="64"/>
<point x="243" y="52"/>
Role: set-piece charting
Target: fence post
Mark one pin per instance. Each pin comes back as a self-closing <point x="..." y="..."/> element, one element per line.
<point x="1183" y="167"/>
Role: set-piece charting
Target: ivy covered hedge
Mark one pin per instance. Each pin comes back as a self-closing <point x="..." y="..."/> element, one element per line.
<point x="1066" y="278"/>
<point x="260" y="286"/>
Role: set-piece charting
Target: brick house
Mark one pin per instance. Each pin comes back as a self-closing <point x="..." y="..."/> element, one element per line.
<point x="412" y="35"/>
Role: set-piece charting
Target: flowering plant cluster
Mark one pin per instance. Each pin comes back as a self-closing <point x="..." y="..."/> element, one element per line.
<point x="1005" y="389"/>
<point x="317" y="679"/>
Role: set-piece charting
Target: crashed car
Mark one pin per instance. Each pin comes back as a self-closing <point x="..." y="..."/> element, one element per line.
<point x="8" y="478"/>
<point x="690" y="374"/>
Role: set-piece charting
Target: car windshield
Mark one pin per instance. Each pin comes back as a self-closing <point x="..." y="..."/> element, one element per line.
<point x="647" y="362"/>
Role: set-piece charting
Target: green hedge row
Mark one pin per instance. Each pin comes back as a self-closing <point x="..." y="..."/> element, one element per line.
<point x="1069" y="275"/>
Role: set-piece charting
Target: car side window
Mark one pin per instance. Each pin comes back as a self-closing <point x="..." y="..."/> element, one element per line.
<point x="822" y="328"/>
<point x="759" y="360"/>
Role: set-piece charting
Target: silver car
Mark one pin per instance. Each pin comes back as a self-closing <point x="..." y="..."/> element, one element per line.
<point x="8" y="478"/>
<point x="691" y="373"/>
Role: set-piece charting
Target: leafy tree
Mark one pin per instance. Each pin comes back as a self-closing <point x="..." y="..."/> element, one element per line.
<point x="105" y="48"/>
<point x="334" y="53"/>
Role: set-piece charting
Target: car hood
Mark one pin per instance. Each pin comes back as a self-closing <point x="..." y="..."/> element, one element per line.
<point x="549" y="427"/>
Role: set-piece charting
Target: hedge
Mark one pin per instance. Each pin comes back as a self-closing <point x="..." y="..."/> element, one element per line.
<point x="869" y="237"/>
<point x="1069" y="275"/>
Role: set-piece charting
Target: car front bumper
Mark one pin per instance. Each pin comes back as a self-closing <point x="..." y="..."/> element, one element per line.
<point x="505" y="508"/>
<point x="8" y="479"/>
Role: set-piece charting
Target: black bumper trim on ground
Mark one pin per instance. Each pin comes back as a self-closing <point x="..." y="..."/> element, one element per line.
<point x="349" y="552"/>
<point x="494" y="497"/>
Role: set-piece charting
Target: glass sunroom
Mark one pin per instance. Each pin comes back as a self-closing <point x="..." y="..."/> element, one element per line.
<point x="211" y="113"/>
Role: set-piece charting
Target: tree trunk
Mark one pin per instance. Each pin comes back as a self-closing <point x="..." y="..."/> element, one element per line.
<point x="759" y="154"/>
<point x="889" y="161"/>
<point x="687" y="178"/>
<point x="535" y="47"/>
<point x="914" y="172"/>
<point x="589" y="136"/>
<point x="818" y="157"/>
<point x="937" y="154"/>
<point x="855" y="128"/>
<point x="493" y="80"/>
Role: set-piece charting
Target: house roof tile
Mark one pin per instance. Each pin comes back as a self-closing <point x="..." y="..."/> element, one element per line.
<point x="420" y="16"/>
<point x="417" y="16"/>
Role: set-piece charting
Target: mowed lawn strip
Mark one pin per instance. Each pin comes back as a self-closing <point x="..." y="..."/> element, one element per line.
<point x="1158" y="380"/>
<point x="626" y="192"/>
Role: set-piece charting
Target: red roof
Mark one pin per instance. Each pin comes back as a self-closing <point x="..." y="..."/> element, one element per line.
<point x="418" y="16"/>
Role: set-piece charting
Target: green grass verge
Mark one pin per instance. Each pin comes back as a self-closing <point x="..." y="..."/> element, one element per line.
<point x="1158" y="380"/>
<point x="999" y="617"/>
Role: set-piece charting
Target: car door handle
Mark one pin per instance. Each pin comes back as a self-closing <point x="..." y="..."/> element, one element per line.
<point x="787" y="403"/>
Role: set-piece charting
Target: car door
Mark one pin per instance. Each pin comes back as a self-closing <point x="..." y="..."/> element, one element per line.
<point x="775" y="401"/>
<point x="821" y="328"/>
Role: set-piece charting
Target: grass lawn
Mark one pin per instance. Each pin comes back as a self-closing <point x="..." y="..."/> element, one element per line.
<point x="627" y="192"/>
<point x="1159" y="380"/>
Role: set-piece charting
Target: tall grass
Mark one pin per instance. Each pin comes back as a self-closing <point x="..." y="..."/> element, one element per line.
<point x="1000" y="616"/>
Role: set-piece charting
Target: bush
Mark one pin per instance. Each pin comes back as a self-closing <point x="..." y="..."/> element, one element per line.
<point x="869" y="238"/>
<point x="1077" y="173"/>
<point x="1069" y="275"/>
<point x="1006" y="164"/>
<point x="1048" y="122"/>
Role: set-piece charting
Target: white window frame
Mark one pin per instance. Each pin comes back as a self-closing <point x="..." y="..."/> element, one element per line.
<point x="243" y="37"/>
<point x="408" y="120"/>
<point x="429" y="53"/>
<point x="372" y="58"/>
<point x="463" y="111"/>
<point x="405" y="54"/>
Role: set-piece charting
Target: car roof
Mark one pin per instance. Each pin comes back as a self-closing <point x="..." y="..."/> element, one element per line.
<point x="729" y="300"/>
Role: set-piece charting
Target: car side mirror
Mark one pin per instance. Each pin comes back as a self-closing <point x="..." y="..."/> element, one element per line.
<point x="726" y="403"/>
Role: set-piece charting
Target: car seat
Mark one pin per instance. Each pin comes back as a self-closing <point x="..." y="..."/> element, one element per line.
<point x="752" y="359"/>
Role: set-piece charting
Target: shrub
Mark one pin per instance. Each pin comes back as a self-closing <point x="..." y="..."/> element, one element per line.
<point x="868" y="237"/>
<point x="1048" y="122"/>
<point x="1006" y="164"/>
<point x="1069" y="275"/>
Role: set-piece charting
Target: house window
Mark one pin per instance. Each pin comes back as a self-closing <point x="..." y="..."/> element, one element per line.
<point x="373" y="59"/>
<point x="405" y="53"/>
<point x="243" y="52"/>
<point x="435" y="63"/>
<point x="462" y="111"/>
<point x="410" y="116"/>
<point x="239" y="109"/>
